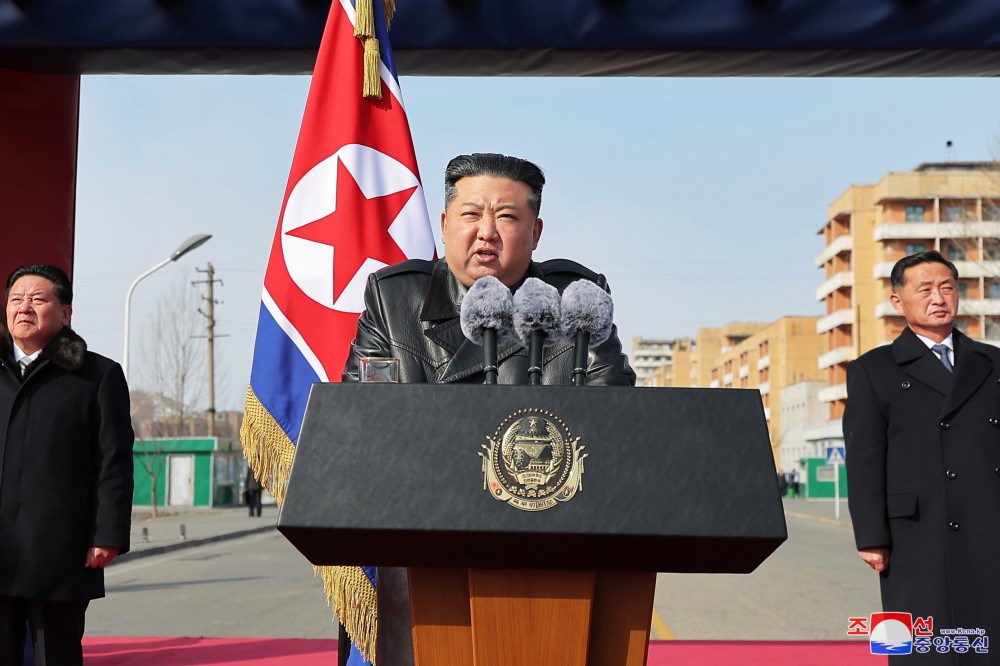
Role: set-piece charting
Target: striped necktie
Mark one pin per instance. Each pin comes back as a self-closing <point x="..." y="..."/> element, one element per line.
<point x="942" y="350"/>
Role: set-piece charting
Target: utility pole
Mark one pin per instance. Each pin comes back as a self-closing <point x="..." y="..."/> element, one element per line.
<point x="209" y="314"/>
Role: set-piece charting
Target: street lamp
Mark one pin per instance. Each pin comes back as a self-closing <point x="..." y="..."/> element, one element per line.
<point x="182" y="249"/>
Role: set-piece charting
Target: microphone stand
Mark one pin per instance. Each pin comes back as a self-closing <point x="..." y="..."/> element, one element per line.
<point x="581" y="347"/>
<point x="490" y="355"/>
<point x="536" y="344"/>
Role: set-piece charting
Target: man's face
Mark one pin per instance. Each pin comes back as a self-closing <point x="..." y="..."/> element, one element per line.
<point x="489" y="229"/>
<point x="928" y="299"/>
<point x="34" y="313"/>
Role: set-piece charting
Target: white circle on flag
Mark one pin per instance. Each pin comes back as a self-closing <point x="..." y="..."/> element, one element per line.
<point x="310" y="264"/>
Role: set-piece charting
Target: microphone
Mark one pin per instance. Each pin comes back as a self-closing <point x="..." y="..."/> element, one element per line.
<point x="487" y="318"/>
<point x="587" y="314"/>
<point x="536" y="321"/>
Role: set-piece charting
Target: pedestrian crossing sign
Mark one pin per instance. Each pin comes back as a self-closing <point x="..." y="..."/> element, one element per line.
<point x="835" y="455"/>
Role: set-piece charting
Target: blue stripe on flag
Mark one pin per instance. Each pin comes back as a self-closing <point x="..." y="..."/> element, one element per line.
<point x="281" y="377"/>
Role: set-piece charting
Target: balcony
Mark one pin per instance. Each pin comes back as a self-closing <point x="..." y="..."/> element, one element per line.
<point x="767" y="413"/>
<point x="885" y="309"/>
<point x="836" y="356"/>
<point x="727" y="379"/>
<point x="714" y="384"/>
<point x="840" y="244"/>
<point x="966" y="269"/>
<point x="832" y="393"/>
<point x="838" y="281"/>
<point x="744" y="371"/>
<point x="977" y="307"/>
<point x="764" y="388"/>
<point x="838" y="318"/>
<point x="928" y="230"/>
<point x="764" y="362"/>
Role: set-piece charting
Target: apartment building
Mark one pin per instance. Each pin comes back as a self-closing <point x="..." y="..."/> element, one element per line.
<point x="950" y="207"/>
<point x="648" y="356"/>
<point x="777" y="355"/>
<point x="748" y="355"/>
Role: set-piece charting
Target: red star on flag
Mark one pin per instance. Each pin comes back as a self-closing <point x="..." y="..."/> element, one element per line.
<point x="352" y="240"/>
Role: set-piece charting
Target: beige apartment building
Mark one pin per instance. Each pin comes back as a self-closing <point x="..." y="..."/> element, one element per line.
<point x="950" y="207"/>
<point x="748" y="355"/>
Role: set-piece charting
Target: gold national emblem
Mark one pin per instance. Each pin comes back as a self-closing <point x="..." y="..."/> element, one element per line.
<point x="532" y="462"/>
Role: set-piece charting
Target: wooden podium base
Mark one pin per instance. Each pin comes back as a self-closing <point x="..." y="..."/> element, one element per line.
<point x="494" y="617"/>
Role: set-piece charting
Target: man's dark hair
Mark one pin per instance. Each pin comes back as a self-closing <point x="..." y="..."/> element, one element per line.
<point x="897" y="278"/>
<point x="500" y="166"/>
<point x="64" y="288"/>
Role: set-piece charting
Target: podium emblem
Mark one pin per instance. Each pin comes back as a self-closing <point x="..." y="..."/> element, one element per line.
<point x="532" y="462"/>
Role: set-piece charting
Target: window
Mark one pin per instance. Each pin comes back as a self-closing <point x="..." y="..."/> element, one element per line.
<point x="914" y="213"/>
<point x="993" y="328"/>
<point x="954" y="213"/>
<point x="955" y="252"/>
<point x="963" y="289"/>
<point x="991" y="249"/>
<point x="915" y="248"/>
<point x="993" y="289"/>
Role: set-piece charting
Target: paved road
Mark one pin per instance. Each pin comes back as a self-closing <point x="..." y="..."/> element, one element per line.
<point x="259" y="585"/>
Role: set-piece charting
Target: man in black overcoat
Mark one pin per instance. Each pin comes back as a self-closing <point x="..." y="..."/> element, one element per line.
<point x="922" y="430"/>
<point x="65" y="470"/>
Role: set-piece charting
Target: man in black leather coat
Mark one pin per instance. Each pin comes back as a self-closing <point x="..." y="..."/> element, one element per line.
<point x="490" y="226"/>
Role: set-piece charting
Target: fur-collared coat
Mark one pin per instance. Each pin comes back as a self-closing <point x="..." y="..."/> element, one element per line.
<point x="65" y="469"/>
<point x="923" y="474"/>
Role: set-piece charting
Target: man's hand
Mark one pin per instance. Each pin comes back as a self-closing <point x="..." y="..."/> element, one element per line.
<point x="98" y="557"/>
<point x="876" y="558"/>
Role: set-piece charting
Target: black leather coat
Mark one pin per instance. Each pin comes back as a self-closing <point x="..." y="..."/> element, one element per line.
<point x="412" y="313"/>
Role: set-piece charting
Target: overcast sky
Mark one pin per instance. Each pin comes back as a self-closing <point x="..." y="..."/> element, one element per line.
<point x="700" y="199"/>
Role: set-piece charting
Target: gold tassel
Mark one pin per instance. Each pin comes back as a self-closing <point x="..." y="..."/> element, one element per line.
<point x="373" y="76"/>
<point x="349" y="593"/>
<point x="365" y="26"/>
<point x="388" y="9"/>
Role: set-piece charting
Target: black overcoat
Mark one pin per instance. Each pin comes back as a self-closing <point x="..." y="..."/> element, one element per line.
<point x="923" y="472"/>
<point x="65" y="469"/>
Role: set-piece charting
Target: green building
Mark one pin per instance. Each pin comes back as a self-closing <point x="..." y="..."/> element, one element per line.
<point x="187" y="471"/>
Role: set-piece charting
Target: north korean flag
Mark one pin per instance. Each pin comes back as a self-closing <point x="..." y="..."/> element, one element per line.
<point x="353" y="204"/>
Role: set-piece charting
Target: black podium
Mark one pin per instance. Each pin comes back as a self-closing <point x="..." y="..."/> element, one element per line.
<point x="505" y="500"/>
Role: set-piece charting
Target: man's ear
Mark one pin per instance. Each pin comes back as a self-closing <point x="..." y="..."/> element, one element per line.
<point x="444" y="224"/>
<point x="896" y="302"/>
<point x="67" y="314"/>
<point x="536" y="233"/>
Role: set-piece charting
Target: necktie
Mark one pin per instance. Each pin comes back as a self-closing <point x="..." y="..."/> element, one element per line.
<point x="24" y="363"/>
<point x="945" y="361"/>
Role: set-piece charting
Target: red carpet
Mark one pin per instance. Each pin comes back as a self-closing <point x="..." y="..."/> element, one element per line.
<point x="162" y="651"/>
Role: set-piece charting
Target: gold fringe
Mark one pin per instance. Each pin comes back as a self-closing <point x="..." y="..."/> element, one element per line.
<point x="349" y="593"/>
<point x="373" y="75"/>
<point x="266" y="447"/>
<point x="352" y="597"/>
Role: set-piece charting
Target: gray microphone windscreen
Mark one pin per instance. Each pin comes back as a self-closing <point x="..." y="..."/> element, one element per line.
<point x="536" y="308"/>
<point x="589" y="308"/>
<point x="488" y="304"/>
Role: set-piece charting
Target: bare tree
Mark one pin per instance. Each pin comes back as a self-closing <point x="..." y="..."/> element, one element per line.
<point x="172" y="369"/>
